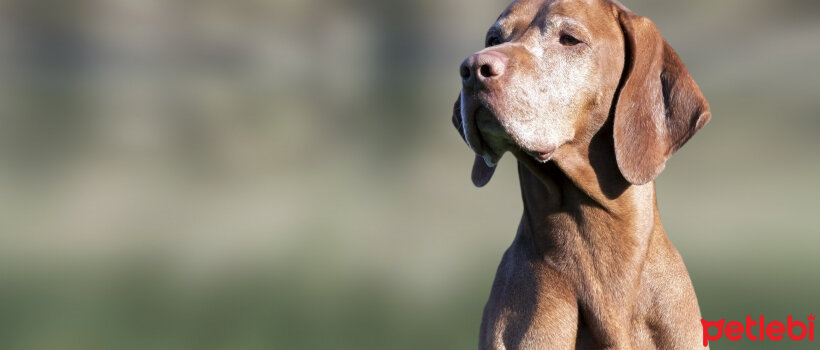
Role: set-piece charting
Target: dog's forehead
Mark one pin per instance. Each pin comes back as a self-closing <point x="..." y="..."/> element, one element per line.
<point x="525" y="12"/>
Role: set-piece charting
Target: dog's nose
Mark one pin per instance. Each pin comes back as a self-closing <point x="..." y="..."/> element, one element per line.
<point x="481" y="67"/>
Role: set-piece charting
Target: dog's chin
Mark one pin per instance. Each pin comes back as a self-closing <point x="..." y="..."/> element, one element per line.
<point x="488" y="138"/>
<point x="496" y="141"/>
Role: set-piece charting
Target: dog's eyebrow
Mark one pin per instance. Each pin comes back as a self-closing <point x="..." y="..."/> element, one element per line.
<point x="560" y="21"/>
<point x="566" y="23"/>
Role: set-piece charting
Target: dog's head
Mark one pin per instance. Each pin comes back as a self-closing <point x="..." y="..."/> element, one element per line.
<point x="553" y="71"/>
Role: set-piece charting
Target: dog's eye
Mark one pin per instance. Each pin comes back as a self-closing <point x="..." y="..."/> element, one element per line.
<point x="492" y="40"/>
<point x="568" y="40"/>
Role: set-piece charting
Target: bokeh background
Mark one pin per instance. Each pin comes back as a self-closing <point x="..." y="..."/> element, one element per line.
<point x="282" y="174"/>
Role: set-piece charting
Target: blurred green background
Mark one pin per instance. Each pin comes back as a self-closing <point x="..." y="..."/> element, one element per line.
<point x="281" y="174"/>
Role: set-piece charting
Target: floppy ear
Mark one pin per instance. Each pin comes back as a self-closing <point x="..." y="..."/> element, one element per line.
<point x="659" y="106"/>
<point x="482" y="173"/>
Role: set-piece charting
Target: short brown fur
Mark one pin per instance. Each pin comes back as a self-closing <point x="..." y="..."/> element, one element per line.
<point x="591" y="266"/>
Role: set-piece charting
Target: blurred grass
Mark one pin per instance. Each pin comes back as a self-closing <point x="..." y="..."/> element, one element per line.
<point x="142" y="307"/>
<point x="279" y="174"/>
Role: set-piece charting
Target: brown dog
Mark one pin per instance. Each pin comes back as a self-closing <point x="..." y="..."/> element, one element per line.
<point x="592" y="101"/>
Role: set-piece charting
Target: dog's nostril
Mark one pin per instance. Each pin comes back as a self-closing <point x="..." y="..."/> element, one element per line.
<point x="486" y="71"/>
<point x="464" y="72"/>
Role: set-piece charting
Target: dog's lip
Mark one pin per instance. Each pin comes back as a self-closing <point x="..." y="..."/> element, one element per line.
<point x="469" y="111"/>
<point x="542" y="155"/>
<point x="481" y="118"/>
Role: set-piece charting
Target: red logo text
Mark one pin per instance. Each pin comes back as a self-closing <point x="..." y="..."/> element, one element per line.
<point x="759" y="330"/>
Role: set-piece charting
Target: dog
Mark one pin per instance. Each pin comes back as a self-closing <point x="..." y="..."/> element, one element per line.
<point x="591" y="101"/>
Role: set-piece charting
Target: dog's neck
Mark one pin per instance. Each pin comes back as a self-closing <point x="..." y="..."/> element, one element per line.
<point x="581" y="193"/>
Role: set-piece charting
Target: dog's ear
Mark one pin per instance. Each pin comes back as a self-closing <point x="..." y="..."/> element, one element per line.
<point x="482" y="173"/>
<point x="659" y="106"/>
